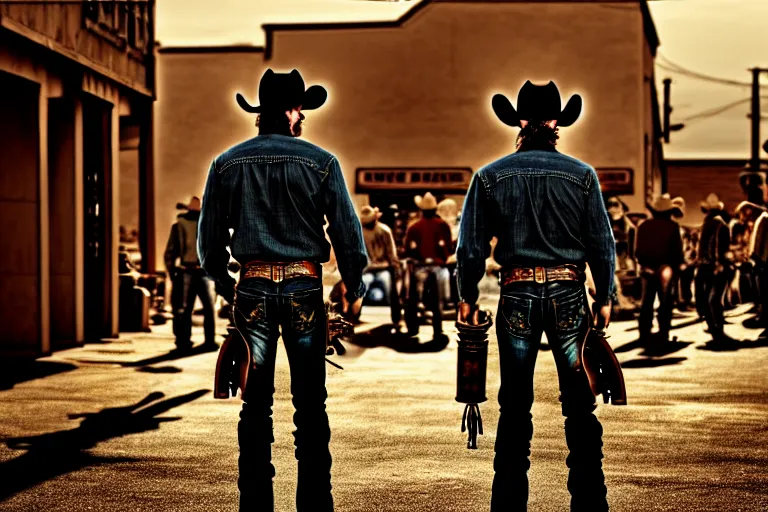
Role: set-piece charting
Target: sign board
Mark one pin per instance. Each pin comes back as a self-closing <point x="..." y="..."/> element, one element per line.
<point x="443" y="179"/>
<point x="616" y="180"/>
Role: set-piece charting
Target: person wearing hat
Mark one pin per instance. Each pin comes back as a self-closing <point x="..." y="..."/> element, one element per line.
<point x="684" y="294"/>
<point x="383" y="263"/>
<point x="659" y="252"/>
<point x="711" y="278"/>
<point x="188" y="280"/>
<point x="548" y="213"/>
<point x="273" y="193"/>
<point x="428" y="243"/>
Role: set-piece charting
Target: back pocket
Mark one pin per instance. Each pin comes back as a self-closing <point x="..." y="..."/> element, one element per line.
<point x="570" y="312"/>
<point x="517" y="314"/>
<point x="307" y="310"/>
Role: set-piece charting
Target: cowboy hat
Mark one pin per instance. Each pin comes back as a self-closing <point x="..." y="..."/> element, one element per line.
<point x="428" y="202"/>
<point x="712" y="202"/>
<point x="663" y="204"/>
<point x="369" y="214"/>
<point x="279" y="92"/>
<point x="193" y="205"/>
<point x="537" y="103"/>
<point x="616" y="201"/>
<point x="680" y="203"/>
<point x="747" y="204"/>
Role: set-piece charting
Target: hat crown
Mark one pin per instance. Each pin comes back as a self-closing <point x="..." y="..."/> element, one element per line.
<point x="539" y="102"/>
<point x="280" y="91"/>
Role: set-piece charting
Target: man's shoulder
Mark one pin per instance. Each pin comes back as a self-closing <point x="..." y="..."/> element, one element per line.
<point x="275" y="147"/>
<point x="383" y="228"/>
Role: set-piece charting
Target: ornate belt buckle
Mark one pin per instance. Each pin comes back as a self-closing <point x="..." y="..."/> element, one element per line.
<point x="540" y="275"/>
<point x="278" y="273"/>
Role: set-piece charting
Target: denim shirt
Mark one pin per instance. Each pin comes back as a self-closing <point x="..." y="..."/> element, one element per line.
<point x="274" y="192"/>
<point x="546" y="209"/>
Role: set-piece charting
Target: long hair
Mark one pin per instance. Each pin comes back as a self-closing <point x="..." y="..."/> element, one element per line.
<point x="537" y="135"/>
<point x="275" y="122"/>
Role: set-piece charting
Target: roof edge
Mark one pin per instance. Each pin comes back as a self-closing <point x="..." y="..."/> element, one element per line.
<point x="270" y="28"/>
<point x="232" y="48"/>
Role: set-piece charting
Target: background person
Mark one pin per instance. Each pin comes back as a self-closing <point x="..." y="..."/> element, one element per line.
<point x="659" y="252"/>
<point x="188" y="279"/>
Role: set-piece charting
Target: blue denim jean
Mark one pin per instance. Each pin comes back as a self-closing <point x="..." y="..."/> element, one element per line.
<point x="526" y="310"/>
<point x="264" y="311"/>
<point x="187" y="287"/>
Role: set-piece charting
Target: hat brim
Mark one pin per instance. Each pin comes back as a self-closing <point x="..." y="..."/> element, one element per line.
<point x="313" y="98"/>
<point x="674" y="210"/>
<point x="507" y="114"/>
<point x="707" y="207"/>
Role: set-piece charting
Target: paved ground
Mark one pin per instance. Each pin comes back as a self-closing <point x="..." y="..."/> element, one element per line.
<point x="126" y="426"/>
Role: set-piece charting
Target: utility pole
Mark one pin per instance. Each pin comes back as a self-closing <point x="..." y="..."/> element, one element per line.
<point x="666" y="127"/>
<point x="754" y="160"/>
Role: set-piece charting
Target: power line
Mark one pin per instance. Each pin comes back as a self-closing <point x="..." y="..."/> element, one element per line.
<point x="717" y="110"/>
<point x="668" y="65"/>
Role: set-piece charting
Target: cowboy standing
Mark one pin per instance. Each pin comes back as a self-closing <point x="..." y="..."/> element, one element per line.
<point x="548" y="213"/>
<point x="383" y="262"/>
<point x="711" y="279"/>
<point x="188" y="280"/>
<point x="659" y="252"/>
<point x="428" y="243"/>
<point x="274" y="191"/>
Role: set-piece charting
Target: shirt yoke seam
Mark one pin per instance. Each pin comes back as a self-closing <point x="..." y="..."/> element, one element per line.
<point x="268" y="159"/>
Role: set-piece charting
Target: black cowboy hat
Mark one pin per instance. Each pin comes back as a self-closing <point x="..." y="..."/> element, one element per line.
<point x="537" y="103"/>
<point x="284" y="91"/>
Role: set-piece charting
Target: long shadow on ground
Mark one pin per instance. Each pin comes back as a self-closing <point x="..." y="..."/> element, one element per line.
<point x="10" y="375"/>
<point x="650" y="362"/>
<point x="733" y="345"/>
<point x="382" y="336"/>
<point x="57" y="453"/>
<point x="173" y="355"/>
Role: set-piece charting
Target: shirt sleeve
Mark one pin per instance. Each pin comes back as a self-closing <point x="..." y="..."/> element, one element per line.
<point x="599" y="243"/>
<point x="213" y="235"/>
<point x="345" y="232"/>
<point x="473" y="246"/>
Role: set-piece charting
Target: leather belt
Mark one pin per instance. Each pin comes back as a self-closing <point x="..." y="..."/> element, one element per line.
<point x="278" y="271"/>
<point x="540" y="274"/>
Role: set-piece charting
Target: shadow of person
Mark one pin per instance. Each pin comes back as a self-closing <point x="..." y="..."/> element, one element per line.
<point x="382" y="336"/>
<point x="173" y="355"/>
<point x="664" y="348"/>
<point x="56" y="453"/>
<point x="731" y="344"/>
<point x="649" y="362"/>
<point x="12" y="374"/>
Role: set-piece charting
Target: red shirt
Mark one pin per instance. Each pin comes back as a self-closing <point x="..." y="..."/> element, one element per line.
<point x="429" y="238"/>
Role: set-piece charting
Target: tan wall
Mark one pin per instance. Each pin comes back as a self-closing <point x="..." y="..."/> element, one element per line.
<point x="19" y="209"/>
<point x="196" y="118"/>
<point x="417" y="95"/>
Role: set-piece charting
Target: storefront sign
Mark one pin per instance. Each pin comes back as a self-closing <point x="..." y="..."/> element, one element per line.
<point x="446" y="179"/>
<point x="616" y="180"/>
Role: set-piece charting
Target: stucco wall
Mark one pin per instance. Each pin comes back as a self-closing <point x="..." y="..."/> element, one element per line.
<point x="419" y="94"/>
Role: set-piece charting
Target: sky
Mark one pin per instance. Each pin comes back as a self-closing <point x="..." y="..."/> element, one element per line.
<point x="716" y="38"/>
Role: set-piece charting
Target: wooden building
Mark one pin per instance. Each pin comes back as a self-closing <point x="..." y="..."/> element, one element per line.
<point x="411" y="98"/>
<point x="78" y="84"/>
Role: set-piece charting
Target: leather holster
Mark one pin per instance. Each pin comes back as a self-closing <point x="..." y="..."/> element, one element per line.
<point x="602" y="368"/>
<point x="232" y="366"/>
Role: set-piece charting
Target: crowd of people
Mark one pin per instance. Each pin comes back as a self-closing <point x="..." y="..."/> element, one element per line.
<point x="707" y="268"/>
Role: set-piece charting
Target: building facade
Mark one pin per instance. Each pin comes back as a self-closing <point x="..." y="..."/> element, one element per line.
<point x="78" y="81"/>
<point x="409" y="105"/>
